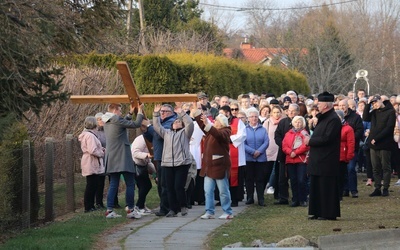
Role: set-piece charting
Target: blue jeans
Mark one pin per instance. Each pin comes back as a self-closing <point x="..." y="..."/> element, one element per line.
<point x="113" y="189"/>
<point x="224" y="194"/>
<point x="298" y="181"/>
<point x="350" y="182"/>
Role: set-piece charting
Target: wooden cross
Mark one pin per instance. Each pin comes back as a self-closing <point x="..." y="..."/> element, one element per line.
<point x="133" y="96"/>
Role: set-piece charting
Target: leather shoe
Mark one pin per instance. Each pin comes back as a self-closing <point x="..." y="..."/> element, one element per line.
<point x="250" y="201"/>
<point x="160" y="214"/>
<point x="261" y="203"/>
<point x="385" y="192"/>
<point x="281" y="202"/>
<point x="377" y="192"/>
<point x="295" y="204"/>
<point x="313" y="217"/>
<point x="234" y="204"/>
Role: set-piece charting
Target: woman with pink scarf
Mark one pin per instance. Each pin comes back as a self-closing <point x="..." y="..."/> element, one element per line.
<point x="272" y="151"/>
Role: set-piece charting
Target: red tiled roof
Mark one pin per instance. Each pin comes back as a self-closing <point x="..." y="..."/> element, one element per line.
<point x="255" y="55"/>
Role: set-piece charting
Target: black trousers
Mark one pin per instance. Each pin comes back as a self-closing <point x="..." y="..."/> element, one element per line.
<point x="162" y="188"/>
<point x="198" y="192"/>
<point x="283" y="182"/>
<point x="100" y="190"/>
<point x="143" y="183"/>
<point x="90" y="191"/>
<point x="176" y="180"/>
<point x="255" y="174"/>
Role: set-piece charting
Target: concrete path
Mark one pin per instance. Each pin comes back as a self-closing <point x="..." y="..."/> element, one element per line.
<point x="182" y="232"/>
<point x="191" y="232"/>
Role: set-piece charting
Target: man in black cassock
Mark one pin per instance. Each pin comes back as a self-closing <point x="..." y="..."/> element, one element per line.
<point x="323" y="166"/>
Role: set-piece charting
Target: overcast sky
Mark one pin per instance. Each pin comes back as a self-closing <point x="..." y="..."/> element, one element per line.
<point x="239" y="17"/>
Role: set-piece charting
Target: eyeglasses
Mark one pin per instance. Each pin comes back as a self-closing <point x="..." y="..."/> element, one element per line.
<point x="235" y="109"/>
<point x="165" y="111"/>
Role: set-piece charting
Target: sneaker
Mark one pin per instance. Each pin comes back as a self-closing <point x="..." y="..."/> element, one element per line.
<point x="207" y="216"/>
<point x="385" y="192"/>
<point x="354" y="194"/>
<point x="112" y="214"/>
<point x="184" y="211"/>
<point x="369" y="182"/>
<point x="397" y="183"/>
<point x="226" y="216"/>
<point x="377" y="192"/>
<point x="133" y="213"/>
<point x="144" y="211"/>
<point x="271" y="190"/>
<point x="171" y="214"/>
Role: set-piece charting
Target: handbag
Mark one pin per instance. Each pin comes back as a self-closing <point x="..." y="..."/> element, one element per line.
<point x="141" y="170"/>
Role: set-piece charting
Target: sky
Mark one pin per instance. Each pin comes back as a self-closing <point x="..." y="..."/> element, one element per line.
<point x="239" y="17"/>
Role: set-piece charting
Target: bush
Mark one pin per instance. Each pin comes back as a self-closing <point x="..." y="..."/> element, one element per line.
<point x="191" y="73"/>
<point x="11" y="140"/>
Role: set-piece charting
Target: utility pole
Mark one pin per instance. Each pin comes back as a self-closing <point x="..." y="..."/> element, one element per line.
<point x="128" y="23"/>
<point x="142" y="26"/>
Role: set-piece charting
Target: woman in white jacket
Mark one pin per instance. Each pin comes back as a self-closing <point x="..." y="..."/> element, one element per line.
<point x="91" y="163"/>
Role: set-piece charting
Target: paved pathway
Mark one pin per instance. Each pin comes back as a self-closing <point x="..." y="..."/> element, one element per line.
<point x="182" y="232"/>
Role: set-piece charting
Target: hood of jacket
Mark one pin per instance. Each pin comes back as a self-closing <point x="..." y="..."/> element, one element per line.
<point x="107" y="116"/>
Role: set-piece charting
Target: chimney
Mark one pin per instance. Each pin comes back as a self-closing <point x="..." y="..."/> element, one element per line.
<point x="246" y="44"/>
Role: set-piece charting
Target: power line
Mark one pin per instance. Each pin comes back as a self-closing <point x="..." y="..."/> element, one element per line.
<point x="233" y="8"/>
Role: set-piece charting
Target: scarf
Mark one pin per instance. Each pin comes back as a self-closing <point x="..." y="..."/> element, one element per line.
<point x="275" y="121"/>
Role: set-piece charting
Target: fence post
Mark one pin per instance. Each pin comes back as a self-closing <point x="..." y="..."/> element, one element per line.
<point x="49" y="189"/>
<point x="69" y="166"/>
<point x="26" y="184"/>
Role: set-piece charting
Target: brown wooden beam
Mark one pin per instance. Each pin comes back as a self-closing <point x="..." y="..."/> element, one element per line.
<point x="77" y="99"/>
<point x="129" y="84"/>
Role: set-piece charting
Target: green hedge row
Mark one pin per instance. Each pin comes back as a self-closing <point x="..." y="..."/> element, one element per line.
<point x="191" y="73"/>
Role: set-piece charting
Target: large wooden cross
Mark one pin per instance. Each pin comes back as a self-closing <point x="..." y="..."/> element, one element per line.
<point x="133" y="96"/>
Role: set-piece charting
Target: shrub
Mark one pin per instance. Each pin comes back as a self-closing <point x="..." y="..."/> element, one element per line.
<point x="11" y="140"/>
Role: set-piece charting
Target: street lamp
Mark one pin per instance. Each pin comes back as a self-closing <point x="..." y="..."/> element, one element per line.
<point x="361" y="74"/>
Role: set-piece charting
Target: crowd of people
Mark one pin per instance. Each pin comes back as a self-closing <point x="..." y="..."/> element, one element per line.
<point x="223" y="151"/>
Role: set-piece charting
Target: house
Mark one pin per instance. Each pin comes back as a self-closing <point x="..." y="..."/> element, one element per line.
<point x="264" y="56"/>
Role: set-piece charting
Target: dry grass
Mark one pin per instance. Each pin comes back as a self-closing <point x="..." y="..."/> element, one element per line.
<point x="274" y="223"/>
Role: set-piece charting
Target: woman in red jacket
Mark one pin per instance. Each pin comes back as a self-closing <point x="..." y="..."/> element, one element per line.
<point x="347" y="147"/>
<point x="296" y="152"/>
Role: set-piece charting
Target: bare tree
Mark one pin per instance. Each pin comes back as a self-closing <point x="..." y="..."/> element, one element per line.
<point x="259" y="17"/>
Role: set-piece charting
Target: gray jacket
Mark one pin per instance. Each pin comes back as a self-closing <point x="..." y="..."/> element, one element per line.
<point x="176" y="143"/>
<point x="118" y="153"/>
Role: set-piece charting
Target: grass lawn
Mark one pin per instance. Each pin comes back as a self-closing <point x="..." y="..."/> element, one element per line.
<point x="276" y="222"/>
<point x="269" y="224"/>
<point x="73" y="231"/>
